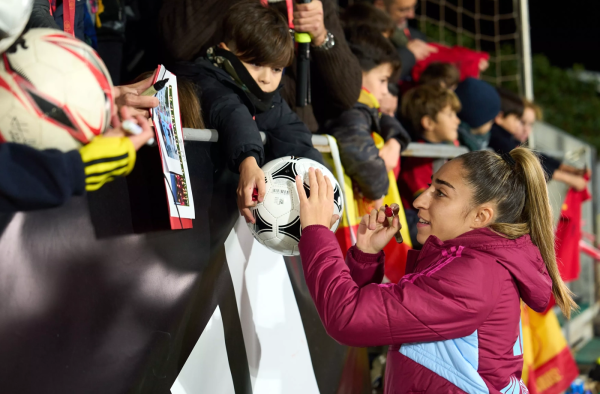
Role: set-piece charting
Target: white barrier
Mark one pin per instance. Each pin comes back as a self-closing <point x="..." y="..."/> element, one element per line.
<point x="276" y="345"/>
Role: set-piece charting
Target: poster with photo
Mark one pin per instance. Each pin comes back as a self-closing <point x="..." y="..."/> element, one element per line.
<point x="165" y="129"/>
<point x="169" y="134"/>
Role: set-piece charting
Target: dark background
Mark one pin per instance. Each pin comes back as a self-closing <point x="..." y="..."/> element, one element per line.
<point x="567" y="32"/>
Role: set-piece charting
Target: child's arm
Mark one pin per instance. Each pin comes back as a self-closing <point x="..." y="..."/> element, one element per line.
<point x="392" y="128"/>
<point x="360" y="157"/>
<point x="576" y="182"/>
<point x="224" y="110"/>
<point x="287" y="135"/>
<point x="444" y="305"/>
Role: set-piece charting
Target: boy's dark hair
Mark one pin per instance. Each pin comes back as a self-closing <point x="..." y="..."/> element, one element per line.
<point x="426" y="100"/>
<point x="367" y="14"/>
<point x="372" y="49"/>
<point x="258" y="35"/>
<point x="438" y="72"/>
<point x="393" y="89"/>
<point x="510" y="103"/>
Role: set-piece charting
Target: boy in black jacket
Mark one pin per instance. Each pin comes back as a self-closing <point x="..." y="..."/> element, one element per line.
<point x="367" y="165"/>
<point x="240" y="83"/>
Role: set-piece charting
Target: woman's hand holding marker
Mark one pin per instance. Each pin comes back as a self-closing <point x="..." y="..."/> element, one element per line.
<point x="376" y="229"/>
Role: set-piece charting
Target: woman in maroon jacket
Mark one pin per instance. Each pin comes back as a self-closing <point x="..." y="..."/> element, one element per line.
<point x="453" y="321"/>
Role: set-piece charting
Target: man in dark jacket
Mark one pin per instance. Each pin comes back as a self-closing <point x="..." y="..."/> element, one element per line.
<point x="189" y="28"/>
<point x="240" y="96"/>
<point x="410" y="42"/>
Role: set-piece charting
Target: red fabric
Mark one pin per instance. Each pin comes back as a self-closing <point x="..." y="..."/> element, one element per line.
<point x="452" y="288"/>
<point x="568" y="234"/>
<point x="466" y="60"/>
<point x="52" y="6"/>
<point x="395" y="264"/>
<point x="414" y="178"/>
<point x="69" y="16"/>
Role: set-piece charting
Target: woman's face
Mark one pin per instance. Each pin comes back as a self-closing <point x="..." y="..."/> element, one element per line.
<point x="445" y="207"/>
<point x="528" y="120"/>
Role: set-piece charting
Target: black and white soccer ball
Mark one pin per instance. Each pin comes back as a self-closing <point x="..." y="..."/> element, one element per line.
<point x="278" y="216"/>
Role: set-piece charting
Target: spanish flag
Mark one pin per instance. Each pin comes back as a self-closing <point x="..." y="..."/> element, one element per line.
<point x="548" y="365"/>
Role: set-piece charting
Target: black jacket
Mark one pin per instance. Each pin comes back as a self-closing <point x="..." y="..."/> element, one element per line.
<point x="406" y="56"/>
<point x="31" y="179"/>
<point x="229" y="109"/>
<point x="360" y="156"/>
<point x="501" y="141"/>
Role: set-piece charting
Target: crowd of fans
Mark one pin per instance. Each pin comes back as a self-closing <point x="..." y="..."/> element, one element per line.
<point x="235" y="66"/>
<point x="234" y="60"/>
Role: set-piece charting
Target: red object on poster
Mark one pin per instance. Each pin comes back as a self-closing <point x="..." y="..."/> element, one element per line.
<point x="465" y="59"/>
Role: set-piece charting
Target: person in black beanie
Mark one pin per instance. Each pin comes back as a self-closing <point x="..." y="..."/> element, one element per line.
<point x="480" y="106"/>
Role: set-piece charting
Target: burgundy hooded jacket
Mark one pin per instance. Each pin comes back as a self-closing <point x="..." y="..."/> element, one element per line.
<point x="452" y="322"/>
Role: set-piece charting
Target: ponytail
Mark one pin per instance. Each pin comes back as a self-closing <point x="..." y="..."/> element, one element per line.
<point x="523" y="207"/>
<point x="538" y="215"/>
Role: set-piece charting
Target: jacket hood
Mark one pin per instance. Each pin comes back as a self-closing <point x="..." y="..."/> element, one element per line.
<point x="519" y="256"/>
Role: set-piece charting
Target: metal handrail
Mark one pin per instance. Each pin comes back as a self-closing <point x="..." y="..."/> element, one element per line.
<point x="321" y="142"/>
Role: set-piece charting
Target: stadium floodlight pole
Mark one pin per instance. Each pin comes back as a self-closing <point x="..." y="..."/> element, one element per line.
<point x="302" y="66"/>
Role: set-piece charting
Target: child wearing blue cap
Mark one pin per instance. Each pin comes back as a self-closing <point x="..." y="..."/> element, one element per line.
<point x="480" y="105"/>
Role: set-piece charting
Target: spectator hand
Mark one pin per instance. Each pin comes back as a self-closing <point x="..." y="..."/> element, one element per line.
<point x="309" y="18"/>
<point x="129" y="95"/>
<point x="483" y="65"/>
<point x="318" y="208"/>
<point x="251" y="177"/>
<point x="137" y="140"/>
<point x="375" y="231"/>
<point x="421" y="49"/>
<point x="390" y="153"/>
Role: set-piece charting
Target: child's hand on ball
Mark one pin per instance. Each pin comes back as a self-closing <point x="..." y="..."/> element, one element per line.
<point x="251" y="178"/>
<point x="318" y="208"/>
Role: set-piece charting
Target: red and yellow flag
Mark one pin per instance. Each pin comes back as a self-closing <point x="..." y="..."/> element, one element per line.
<point x="548" y="365"/>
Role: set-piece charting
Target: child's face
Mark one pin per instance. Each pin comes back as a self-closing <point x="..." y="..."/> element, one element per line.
<point x="267" y="77"/>
<point x="528" y="121"/>
<point x="444" y="128"/>
<point x="376" y="80"/>
<point x="511" y="123"/>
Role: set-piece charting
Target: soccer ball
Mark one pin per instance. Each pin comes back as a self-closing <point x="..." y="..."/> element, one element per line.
<point x="278" y="216"/>
<point x="55" y="92"/>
